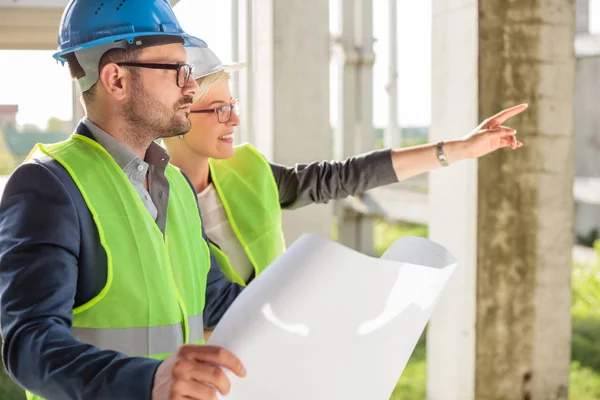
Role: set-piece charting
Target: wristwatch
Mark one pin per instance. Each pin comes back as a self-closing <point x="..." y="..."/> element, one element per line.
<point x="440" y="154"/>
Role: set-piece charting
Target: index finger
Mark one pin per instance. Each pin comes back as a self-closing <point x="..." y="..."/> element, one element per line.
<point x="503" y="115"/>
<point x="214" y="355"/>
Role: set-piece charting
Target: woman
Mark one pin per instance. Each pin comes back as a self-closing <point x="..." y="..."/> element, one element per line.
<point x="241" y="194"/>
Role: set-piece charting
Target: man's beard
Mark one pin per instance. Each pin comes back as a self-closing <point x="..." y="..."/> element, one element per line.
<point x="149" y="119"/>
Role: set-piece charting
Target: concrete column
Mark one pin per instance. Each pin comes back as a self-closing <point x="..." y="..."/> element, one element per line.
<point x="502" y="329"/>
<point x="354" y="131"/>
<point x="291" y="94"/>
<point x="582" y="16"/>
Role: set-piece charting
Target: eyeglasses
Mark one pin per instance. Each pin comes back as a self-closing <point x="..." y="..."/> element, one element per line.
<point x="223" y="112"/>
<point x="184" y="71"/>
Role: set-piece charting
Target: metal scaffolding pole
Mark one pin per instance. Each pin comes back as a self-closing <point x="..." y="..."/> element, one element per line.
<point x="393" y="132"/>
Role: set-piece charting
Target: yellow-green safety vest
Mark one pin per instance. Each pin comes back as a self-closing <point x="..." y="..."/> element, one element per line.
<point x="154" y="295"/>
<point x="250" y="197"/>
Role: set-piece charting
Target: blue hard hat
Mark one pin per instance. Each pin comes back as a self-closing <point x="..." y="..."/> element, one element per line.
<point x="91" y="23"/>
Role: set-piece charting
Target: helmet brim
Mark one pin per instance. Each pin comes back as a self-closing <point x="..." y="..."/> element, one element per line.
<point x="188" y="41"/>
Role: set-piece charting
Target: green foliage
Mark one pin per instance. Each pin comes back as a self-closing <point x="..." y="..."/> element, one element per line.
<point x="385" y="233"/>
<point x="589" y="239"/>
<point x="586" y="288"/>
<point x="413" y="382"/>
<point x="584" y="383"/>
<point x="58" y="125"/>
<point x="585" y="346"/>
<point x="412" y="385"/>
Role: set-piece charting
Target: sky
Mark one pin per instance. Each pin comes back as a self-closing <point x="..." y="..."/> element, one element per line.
<point x="50" y="96"/>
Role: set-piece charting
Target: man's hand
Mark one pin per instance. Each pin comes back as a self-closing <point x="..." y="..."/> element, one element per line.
<point x="195" y="372"/>
<point x="491" y="135"/>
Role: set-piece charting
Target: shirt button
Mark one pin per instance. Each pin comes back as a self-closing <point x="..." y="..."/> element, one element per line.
<point x="140" y="167"/>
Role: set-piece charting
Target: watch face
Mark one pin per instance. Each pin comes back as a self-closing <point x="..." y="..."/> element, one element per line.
<point x="441" y="155"/>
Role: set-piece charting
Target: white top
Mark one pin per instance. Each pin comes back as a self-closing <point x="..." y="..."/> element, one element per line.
<point x="219" y="231"/>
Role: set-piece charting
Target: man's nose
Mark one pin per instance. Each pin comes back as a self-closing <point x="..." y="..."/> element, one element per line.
<point x="191" y="88"/>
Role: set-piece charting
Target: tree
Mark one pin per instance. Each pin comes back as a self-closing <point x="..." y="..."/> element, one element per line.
<point x="57" y="125"/>
<point x="30" y="128"/>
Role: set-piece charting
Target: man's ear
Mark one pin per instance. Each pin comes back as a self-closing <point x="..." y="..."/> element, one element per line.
<point x="114" y="80"/>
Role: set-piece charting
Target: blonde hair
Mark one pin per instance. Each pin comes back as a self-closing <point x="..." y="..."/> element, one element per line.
<point x="206" y="82"/>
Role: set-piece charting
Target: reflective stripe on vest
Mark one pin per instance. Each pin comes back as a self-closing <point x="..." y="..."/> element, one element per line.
<point x="139" y="342"/>
<point x="250" y="197"/>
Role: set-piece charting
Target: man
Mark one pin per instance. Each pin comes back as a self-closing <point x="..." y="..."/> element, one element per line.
<point x="98" y="282"/>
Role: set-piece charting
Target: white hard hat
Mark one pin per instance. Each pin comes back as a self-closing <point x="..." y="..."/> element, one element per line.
<point x="206" y="62"/>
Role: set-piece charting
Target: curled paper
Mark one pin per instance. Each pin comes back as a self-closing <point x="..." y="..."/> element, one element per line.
<point x="326" y="322"/>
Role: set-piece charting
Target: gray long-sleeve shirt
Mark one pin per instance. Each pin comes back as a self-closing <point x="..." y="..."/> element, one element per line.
<point x="320" y="182"/>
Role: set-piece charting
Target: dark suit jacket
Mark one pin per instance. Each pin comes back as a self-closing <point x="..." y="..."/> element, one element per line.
<point x="51" y="261"/>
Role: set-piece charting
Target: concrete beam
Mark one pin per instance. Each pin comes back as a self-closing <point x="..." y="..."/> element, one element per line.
<point x="57" y="4"/>
<point x="29" y="28"/>
<point x="32" y="25"/>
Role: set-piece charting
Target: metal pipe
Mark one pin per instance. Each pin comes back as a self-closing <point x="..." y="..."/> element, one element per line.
<point x="392" y="132"/>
